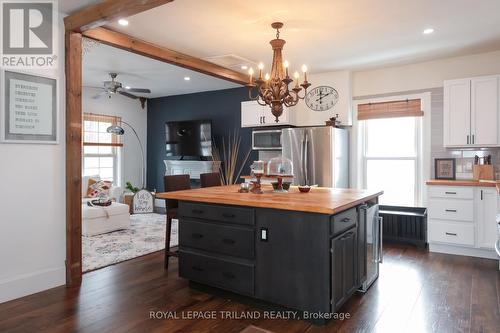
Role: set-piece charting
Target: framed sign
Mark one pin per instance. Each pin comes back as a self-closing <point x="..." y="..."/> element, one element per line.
<point x="142" y="202"/>
<point x="29" y="108"/>
<point x="444" y="168"/>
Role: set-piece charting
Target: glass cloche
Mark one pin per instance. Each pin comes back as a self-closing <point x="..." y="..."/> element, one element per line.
<point x="281" y="168"/>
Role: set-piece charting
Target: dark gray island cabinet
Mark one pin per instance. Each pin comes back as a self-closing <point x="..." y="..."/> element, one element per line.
<point x="298" y="259"/>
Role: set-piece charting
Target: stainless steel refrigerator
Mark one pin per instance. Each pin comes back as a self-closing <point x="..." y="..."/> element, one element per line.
<point x="320" y="155"/>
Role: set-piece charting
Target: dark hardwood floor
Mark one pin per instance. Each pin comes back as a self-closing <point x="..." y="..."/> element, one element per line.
<point x="417" y="292"/>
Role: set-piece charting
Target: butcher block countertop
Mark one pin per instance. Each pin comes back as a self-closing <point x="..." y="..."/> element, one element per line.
<point x="318" y="200"/>
<point x="483" y="183"/>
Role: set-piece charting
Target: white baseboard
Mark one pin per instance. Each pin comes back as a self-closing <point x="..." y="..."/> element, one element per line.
<point x="31" y="283"/>
<point x="463" y="251"/>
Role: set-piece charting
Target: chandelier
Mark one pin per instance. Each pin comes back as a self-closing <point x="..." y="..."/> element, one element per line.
<point x="272" y="89"/>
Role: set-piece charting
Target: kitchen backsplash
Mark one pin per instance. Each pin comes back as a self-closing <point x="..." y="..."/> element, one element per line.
<point x="465" y="161"/>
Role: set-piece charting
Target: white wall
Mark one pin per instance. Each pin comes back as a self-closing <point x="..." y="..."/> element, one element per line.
<point x="131" y="112"/>
<point x="341" y="81"/>
<point x="32" y="208"/>
<point x="430" y="74"/>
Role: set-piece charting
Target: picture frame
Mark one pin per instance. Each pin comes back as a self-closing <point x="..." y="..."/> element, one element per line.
<point x="445" y="168"/>
<point x="29" y="108"/>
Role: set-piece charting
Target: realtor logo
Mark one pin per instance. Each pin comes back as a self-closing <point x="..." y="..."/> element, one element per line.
<point x="28" y="34"/>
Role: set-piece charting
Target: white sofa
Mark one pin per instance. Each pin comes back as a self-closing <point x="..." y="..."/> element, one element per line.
<point x="99" y="220"/>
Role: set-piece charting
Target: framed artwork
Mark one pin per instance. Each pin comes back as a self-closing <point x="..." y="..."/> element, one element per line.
<point x="444" y="168"/>
<point x="29" y="108"/>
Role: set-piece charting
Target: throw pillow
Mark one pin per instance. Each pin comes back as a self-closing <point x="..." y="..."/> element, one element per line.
<point x="98" y="187"/>
<point x="86" y="181"/>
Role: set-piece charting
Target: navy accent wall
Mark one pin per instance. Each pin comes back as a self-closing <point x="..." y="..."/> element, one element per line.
<point x="222" y="106"/>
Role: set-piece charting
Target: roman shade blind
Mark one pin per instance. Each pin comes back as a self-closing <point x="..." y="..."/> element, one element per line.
<point x="94" y="130"/>
<point x="391" y="109"/>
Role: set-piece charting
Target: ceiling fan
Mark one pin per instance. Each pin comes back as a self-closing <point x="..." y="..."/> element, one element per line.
<point x="112" y="87"/>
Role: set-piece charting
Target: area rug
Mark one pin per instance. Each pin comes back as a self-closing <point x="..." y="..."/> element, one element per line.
<point x="146" y="235"/>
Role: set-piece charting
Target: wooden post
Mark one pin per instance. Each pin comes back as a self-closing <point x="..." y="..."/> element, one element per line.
<point x="73" y="59"/>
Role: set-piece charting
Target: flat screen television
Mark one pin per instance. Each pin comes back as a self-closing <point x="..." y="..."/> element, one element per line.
<point x="189" y="138"/>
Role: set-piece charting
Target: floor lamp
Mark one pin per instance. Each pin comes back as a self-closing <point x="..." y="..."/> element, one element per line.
<point x="118" y="130"/>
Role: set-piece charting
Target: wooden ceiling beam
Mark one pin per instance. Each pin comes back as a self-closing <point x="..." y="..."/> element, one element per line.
<point x="108" y="11"/>
<point x="132" y="44"/>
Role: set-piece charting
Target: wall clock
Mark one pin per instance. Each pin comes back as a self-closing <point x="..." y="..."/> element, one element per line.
<point x="322" y="98"/>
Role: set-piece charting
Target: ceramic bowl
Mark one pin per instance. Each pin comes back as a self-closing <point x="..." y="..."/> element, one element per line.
<point x="304" y="188"/>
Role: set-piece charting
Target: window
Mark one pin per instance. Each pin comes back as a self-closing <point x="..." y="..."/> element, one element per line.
<point x="100" y="148"/>
<point x="391" y="157"/>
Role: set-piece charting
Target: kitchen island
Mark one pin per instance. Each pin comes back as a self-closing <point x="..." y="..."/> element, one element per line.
<point x="305" y="251"/>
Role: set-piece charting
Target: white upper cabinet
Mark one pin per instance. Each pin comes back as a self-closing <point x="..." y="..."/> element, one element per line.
<point x="255" y="115"/>
<point x="484" y="110"/>
<point x="457" y="113"/>
<point x="471" y="112"/>
<point x="251" y="114"/>
<point x="270" y="120"/>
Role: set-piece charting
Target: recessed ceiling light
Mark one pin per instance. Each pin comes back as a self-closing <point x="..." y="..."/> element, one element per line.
<point x="428" y="31"/>
<point x="123" y="22"/>
<point x="244" y="67"/>
<point x="187" y="78"/>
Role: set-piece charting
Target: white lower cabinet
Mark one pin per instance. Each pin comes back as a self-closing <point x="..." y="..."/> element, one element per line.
<point x="462" y="220"/>
<point x="486" y="212"/>
<point x="452" y="209"/>
<point x="451" y="232"/>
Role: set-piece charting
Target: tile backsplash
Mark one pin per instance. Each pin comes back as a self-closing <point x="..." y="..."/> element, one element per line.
<point x="465" y="161"/>
<point x="464" y="158"/>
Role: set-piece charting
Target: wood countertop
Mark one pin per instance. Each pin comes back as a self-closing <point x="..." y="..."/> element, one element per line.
<point x="482" y="183"/>
<point x="319" y="200"/>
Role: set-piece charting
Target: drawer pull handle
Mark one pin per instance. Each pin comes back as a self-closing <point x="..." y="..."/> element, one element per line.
<point x="228" y="275"/>
<point x="197" y="211"/>
<point x="345" y="220"/>
<point x="196" y="268"/>
<point x="451" y="234"/>
<point x="228" y="241"/>
<point x="451" y="210"/>
<point x="450" y="192"/>
<point x="196" y="235"/>
<point x="228" y="215"/>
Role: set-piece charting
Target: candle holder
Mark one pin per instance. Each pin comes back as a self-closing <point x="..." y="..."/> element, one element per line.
<point x="257" y="168"/>
<point x="257" y="186"/>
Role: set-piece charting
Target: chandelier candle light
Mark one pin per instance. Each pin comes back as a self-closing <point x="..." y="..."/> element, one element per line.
<point x="273" y="89"/>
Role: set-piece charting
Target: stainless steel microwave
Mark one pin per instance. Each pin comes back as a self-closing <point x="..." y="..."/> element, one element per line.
<point x="266" y="139"/>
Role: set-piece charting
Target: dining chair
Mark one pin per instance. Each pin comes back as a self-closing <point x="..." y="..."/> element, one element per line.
<point x="173" y="183"/>
<point x="210" y="179"/>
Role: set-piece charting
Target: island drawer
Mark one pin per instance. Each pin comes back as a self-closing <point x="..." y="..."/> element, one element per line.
<point x="232" y="214"/>
<point x="343" y="221"/>
<point x="235" y="241"/>
<point x="216" y="272"/>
